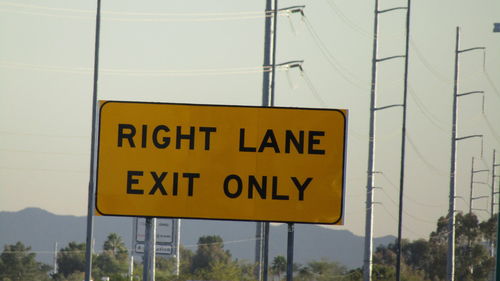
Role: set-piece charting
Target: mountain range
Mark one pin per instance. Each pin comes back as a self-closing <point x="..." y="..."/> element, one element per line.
<point x="41" y="230"/>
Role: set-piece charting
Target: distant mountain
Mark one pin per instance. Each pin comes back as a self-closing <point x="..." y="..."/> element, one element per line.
<point x="41" y="230"/>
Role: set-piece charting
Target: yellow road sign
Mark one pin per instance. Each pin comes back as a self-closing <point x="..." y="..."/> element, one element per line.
<point x="221" y="162"/>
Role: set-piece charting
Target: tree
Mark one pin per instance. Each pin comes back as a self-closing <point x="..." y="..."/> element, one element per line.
<point x="210" y="250"/>
<point x="212" y="262"/>
<point x="17" y="263"/>
<point x="113" y="261"/>
<point x="71" y="259"/>
<point x="221" y="271"/>
<point x="114" y="245"/>
<point x="279" y="265"/>
<point x="322" y="270"/>
<point x="426" y="260"/>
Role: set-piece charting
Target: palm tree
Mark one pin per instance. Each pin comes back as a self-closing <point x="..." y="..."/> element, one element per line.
<point x="279" y="265"/>
<point x="115" y="246"/>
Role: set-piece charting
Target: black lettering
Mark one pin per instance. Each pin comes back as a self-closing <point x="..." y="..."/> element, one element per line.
<point x="158" y="183"/>
<point x="175" y="184"/>
<point x="189" y="137"/>
<point x="276" y="196"/>
<point x="131" y="181"/>
<point x="290" y="138"/>
<point x="166" y="140"/>
<point x="207" y="131"/>
<point x="239" y="186"/>
<point x="242" y="142"/>
<point x="254" y="183"/>
<point x="144" y="135"/>
<point x="129" y="136"/>
<point x="191" y="177"/>
<point x="313" y="141"/>
<point x="269" y="140"/>
<point x="301" y="187"/>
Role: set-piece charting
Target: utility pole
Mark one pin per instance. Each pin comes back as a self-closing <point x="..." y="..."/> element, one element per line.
<point x="91" y="197"/>
<point x="268" y="100"/>
<point x="368" y="252"/>
<point x="262" y="231"/>
<point x="472" y="182"/>
<point x="493" y="178"/>
<point x="266" y="86"/>
<point x="55" y="258"/>
<point x="367" y="262"/>
<point x="403" y="144"/>
<point x="178" y="248"/>
<point x="496" y="28"/>
<point x="450" y="261"/>
<point x="494" y="164"/>
<point x="131" y="267"/>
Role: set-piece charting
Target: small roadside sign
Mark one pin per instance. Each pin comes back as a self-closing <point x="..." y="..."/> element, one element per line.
<point x="165" y="235"/>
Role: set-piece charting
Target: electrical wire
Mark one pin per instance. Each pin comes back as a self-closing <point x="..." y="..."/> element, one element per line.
<point x="146" y="16"/>
<point x="198" y="72"/>
<point x="92" y="12"/>
<point x="396" y="204"/>
<point x="129" y="249"/>
<point x="332" y="61"/>
<point x="44" y="170"/>
<point x="490" y="81"/>
<point x="427" y="113"/>
<point x="313" y="90"/>
<point x="430" y="166"/>
<point x="391" y="183"/>
<point x="46" y="14"/>
<point x="440" y="77"/>
<point x="43" y="152"/>
<point x="396" y="220"/>
<point x="491" y="128"/>
<point x="333" y="7"/>
<point x="207" y="19"/>
<point x="138" y="72"/>
<point x="41" y="135"/>
<point x="156" y="20"/>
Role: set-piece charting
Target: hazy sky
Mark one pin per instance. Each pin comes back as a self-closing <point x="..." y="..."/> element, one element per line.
<point x="208" y="51"/>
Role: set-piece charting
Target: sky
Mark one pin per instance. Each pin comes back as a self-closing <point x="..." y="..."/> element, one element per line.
<point x="211" y="52"/>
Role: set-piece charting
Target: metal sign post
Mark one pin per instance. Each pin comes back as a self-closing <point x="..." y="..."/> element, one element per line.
<point x="149" y="250"/>
<point x="289" y="259"/>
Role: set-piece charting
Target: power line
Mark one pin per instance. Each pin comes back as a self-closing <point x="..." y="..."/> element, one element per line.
<point x="391" y="183"/>
<point x="490" y="81"/>
<point x="43" y="152"/>
<point x="156" y="20"/>
<point x="429" y="67"/>
<point x="139" y="72"/>
<point x="427" y="113"/>
<point x="427" y="163"/>
<point x="92" y="12"/>
<point x="491" y="128"/>
<point x="41" y="135"/>
<point x="313" y="90"/>
<point x="146" y="16"/>
<point x="333" y="7"/>
<point x="396" y="220"/>
<point x="332" y="61"/>
<point x="45" y="170"/>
